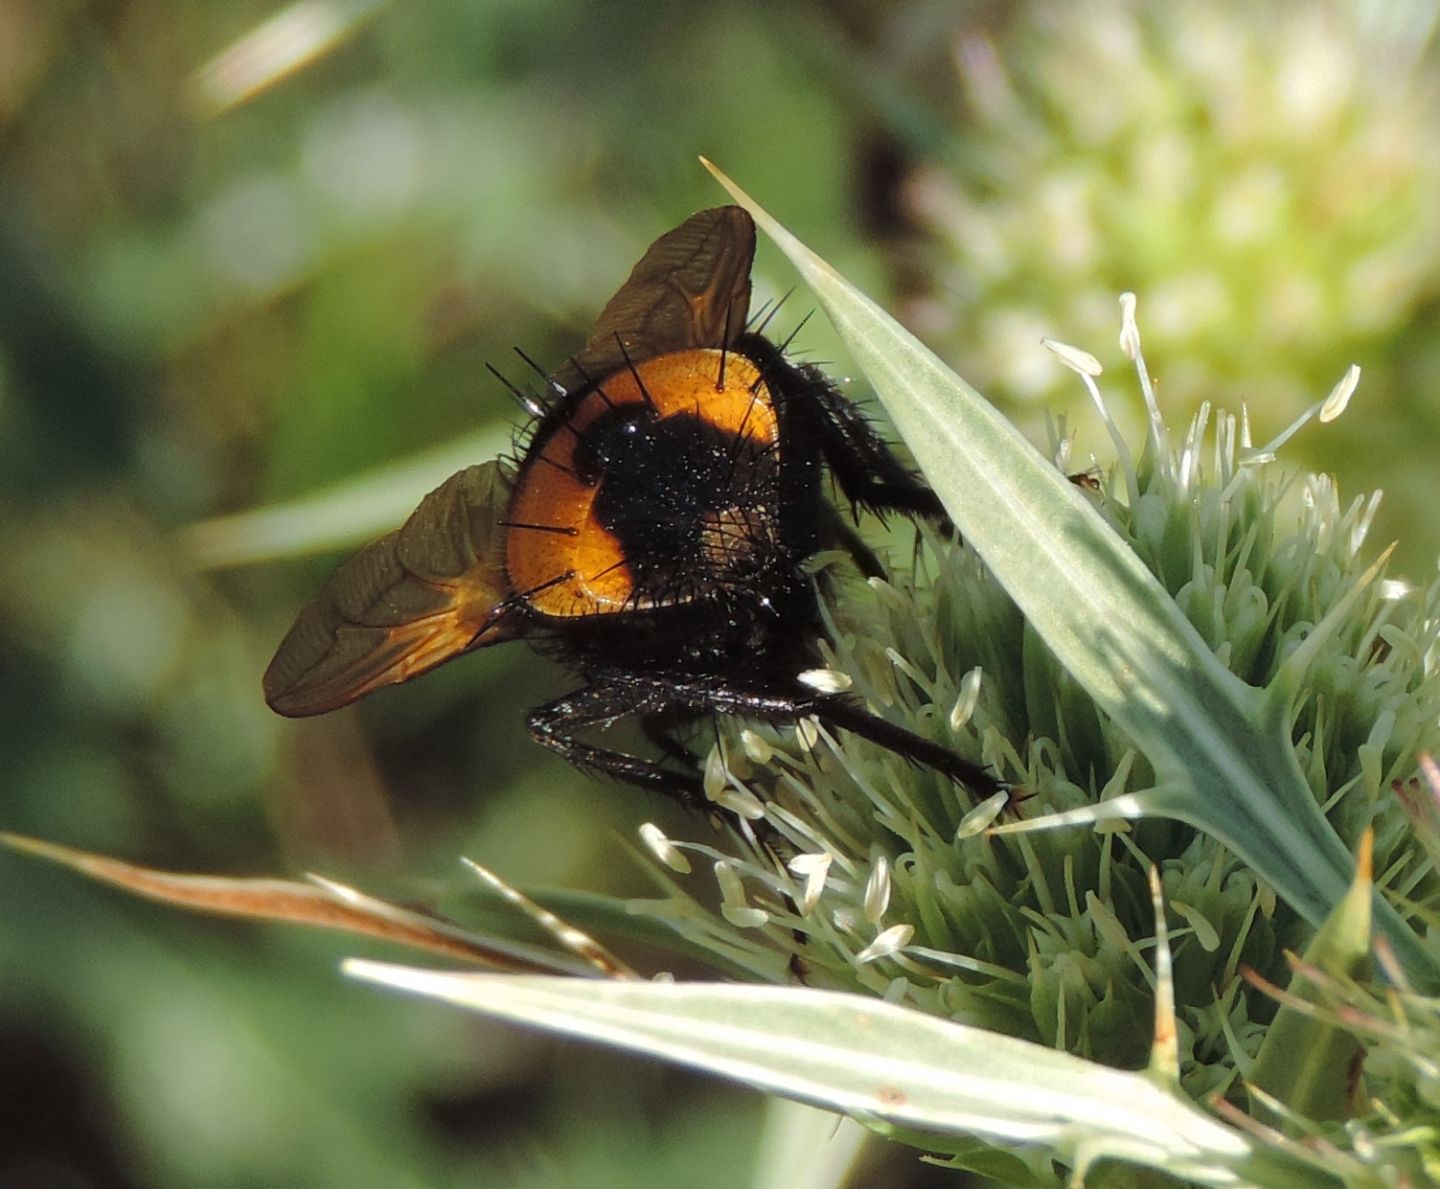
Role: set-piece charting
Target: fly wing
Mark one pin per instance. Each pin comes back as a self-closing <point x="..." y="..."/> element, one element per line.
<point x="690" y="289"/>
<point x="434" y="588"/>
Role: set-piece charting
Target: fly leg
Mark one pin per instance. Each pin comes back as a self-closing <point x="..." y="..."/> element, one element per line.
<point x="556" y="724"/>
<point x="696" y="696"/>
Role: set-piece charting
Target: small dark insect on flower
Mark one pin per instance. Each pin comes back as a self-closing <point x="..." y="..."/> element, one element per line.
<point x="653" y="535"/>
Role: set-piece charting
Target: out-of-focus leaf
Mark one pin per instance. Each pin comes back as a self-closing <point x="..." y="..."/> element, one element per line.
<point x="347" y="513"/>
<point x="322" y="903"/>
<point x="281" y="45"/>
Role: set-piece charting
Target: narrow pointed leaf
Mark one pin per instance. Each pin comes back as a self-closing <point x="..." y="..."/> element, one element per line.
<point x="876" y="1061"/>
<point x="1307" y="1061"/>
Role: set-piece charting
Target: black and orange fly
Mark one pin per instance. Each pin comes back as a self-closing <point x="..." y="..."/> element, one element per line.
<point x="654" y="535"/>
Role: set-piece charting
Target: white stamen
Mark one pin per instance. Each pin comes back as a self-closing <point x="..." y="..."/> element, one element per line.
<point x="1122" y="449"/>
<point x="741" y="802"/>
<point x="807" y="732"/>
<point x="1130" y="344"/>
<point x="978" y="820"/>
<point x="897" y="990"/>
<point x="732" y="887"/>
<point x="663" y="849"/>
<point x="813" y="868"/>
<point x="969" y="698"/>
<point x="732" y="899"/>
<point x="905" y="666"/>
<point x="757" y="747"/>
<point x="1362" y="526"/>
<point x="891" y="940"/>
<point x="826" y="681"/>
<point x="1269" y="451"/>
<point x="715" y="777"/>
<point x="877" y="891"/>
<point x="1073" y="357"/>
<point x="1340" y="395"/>
<point x="1129" y="327"/>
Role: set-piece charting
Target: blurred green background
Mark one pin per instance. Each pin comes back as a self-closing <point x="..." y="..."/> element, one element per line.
<point x="213" y="301"/>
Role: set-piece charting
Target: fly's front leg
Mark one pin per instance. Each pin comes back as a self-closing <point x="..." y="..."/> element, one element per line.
<point x="862" y="463"/>
<point x="865" y="467"/>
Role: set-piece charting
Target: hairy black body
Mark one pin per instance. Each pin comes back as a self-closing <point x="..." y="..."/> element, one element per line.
<point x="654" y="537"/>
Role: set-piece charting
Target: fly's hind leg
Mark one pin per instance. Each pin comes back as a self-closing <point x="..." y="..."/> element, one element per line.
<point x="850" y="716"/>
<point x="663" y="701"/>
<point x="660" y="729"/>
<point x="556" y="724"/>
<point x="781" y="706"/>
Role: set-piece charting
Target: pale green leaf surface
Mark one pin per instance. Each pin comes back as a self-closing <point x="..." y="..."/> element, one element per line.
<point x="876" y="1061"/>
<point x="1220" y="748"/>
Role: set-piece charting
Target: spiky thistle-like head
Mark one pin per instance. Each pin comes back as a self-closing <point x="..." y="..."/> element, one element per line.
<point x="873" y="875"/>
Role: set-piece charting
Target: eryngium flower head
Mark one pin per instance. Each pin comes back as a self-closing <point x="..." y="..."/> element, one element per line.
<point x="869" y="874"/>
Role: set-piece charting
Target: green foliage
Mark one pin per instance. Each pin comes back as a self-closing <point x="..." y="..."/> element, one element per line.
<point x="207" y="311"/>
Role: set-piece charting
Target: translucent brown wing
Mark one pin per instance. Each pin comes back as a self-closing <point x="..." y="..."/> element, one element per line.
<point x="690" y="289"/>
<point x="434" y="588"/>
